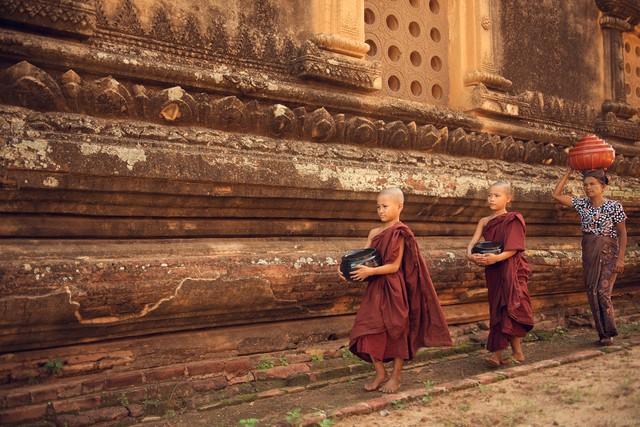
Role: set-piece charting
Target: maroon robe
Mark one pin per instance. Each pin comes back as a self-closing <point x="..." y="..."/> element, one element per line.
<point x="510" y="311"/>
<point x="400" y="312"/>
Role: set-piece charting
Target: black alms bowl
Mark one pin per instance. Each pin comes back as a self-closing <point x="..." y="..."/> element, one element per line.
<point x="350" y="260"/>
<point x="487" y="248"/>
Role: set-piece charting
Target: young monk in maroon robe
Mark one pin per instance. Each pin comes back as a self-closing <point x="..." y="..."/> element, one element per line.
<point x="507" y="274"/>
<point x="400" y="311"/>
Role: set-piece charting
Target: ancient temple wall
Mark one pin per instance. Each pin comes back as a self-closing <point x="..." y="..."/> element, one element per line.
<point x="172" y="165"/>
<point x="553" y="47"/>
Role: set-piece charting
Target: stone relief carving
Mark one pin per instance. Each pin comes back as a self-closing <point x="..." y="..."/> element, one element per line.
<point x="316" y="63"/>
<point x="26" y="85"/>
<point x="70" y="16"/>
<point x="259" y="41"/>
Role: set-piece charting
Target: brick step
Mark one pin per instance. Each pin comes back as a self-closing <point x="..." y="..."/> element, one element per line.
<point x="209" y="383"/>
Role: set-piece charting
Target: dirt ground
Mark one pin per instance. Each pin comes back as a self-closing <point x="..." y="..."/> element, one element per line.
<point x="600" y="392"/>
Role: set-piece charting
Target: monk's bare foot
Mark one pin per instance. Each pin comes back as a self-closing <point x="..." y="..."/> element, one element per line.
<point x="375" y="383"/>
<point x="391" y="386"/>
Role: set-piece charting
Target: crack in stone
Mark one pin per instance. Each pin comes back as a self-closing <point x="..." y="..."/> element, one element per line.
<point x="148" y="308"/>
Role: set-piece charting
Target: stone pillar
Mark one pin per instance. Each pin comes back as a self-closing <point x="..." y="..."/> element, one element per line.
<point x="619" y="16"/>
<point x="335" y="48"/>
<point x="475" y="78"/>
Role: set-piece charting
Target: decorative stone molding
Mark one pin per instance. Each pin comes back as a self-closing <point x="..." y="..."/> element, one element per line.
<point x="70" y="16"/>
<point x="316" y="63"/>
<point x="28" y="86"/>
<point x="341" y="45"/>
<point x="474" y="63"/>
<point x="627" y="10"/>
<point x="335" y="48"/>
<point x="337" y="26"/>
<point x="490" y="80"/>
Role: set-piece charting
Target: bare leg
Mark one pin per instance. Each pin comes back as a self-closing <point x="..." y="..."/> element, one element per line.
<point x="516" y="347"/>
<point x="393" y="384"/>
<point x="381" y="376"/>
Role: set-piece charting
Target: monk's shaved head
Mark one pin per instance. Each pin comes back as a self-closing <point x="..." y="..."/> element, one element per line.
<point x="505" y="186"/>
<point x="395" y="193"/>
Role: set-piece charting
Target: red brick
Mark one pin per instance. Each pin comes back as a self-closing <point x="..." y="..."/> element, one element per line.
<point x="83" y="358"/>
<point x="208" y="384"/>
<point x="377" y="403"/>
<point x="488" y="378"/>
<point x="460" y="384"/>
<point x="164" y="373"/>
<point x="415" y="393"/>
<point x="294" y="389"/>
<point x="237" y="367"/>
<point x="357" y="409"/>
<point x="298" y="358"/>
<point x="135" y="410"/>
<point x="79" y="404"/>
<point x="44" y="394"/>
<point x="24" y="375"/>
<point x="123" y="380"/>
<point x="93" y="385"/>
<point x="282" y="372"/>
<point x="207" y="367"/>
<point x="81" y="368"/>
<point x="270" y="393"/>
<point x="71" y="420"/>
<point x="69" y="390"/>
<point x="241" y="379"/>
<point x="312" y="420"/>
<point x="22" y="414"/>
<point x="18" y="398"/>
<point x="581" y="355"/>
<point x="108" y="414"/>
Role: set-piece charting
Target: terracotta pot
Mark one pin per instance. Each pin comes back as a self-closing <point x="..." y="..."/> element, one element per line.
<point x="591" y="152"/>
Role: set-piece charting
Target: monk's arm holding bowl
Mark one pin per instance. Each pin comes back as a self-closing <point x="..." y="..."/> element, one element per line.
<point x="362" y="271"/>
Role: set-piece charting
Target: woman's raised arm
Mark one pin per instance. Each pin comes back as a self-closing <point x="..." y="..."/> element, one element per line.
<point x="557" y="192"/>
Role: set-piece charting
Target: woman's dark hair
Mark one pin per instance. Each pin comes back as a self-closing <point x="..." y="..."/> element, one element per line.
<point x="598" y="174"/>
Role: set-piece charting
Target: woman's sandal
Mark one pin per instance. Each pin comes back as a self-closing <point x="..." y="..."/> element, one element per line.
<point x="492" y="363"/>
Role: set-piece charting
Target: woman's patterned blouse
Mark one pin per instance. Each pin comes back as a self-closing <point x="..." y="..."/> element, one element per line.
<point x="599" y="220"/>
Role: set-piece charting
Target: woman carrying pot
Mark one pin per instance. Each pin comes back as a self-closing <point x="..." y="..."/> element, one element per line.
<point x="604" y="239"/>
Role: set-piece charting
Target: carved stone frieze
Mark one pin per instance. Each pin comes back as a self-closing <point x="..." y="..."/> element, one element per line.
<point x="69" y="16"/>
<point x="609" y="124"/>
<point x="25" y="85"/>
<point x="317" y="63"/>
<point x="258" y="40"/>
<point x="628" y="10"/>
<point x="535" y="107"/>
<point x="28" y="86"/>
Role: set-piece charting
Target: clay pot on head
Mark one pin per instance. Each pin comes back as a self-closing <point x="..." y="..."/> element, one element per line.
<point x="590" y="153"/>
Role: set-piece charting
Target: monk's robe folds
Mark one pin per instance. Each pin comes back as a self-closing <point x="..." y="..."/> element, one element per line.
<point x="400" y="312"/>
<point x="510" y="311"/>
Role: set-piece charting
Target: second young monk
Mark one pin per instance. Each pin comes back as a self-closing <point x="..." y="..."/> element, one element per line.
<point x="400" y="311"/>
<point x="507" y="275"/>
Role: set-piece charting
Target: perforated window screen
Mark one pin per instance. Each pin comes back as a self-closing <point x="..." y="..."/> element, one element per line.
<point x="632" y="68"/>
<point x="410" y="38"/>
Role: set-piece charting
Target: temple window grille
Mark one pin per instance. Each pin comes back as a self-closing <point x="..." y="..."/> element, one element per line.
<point x="410" y="38"/>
